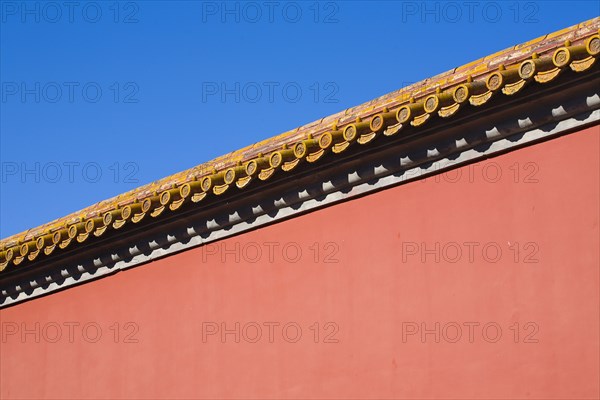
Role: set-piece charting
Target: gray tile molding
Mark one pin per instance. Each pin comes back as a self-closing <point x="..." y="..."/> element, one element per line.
<point x="506" y="125"/>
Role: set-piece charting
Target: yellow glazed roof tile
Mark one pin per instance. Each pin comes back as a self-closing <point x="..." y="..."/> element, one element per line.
<point x="394" y="109"/>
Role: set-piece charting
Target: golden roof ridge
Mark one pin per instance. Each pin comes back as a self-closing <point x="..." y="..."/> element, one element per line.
<point x="539" y="60"/>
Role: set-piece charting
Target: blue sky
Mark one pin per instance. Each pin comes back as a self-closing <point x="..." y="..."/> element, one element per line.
<point x="99" y="97"/>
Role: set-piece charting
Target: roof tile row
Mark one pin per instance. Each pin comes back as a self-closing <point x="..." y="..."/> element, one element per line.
<point x="480" y="80"/>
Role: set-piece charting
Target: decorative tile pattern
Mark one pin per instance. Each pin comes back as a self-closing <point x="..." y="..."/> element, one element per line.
<point x="505" y="73"/>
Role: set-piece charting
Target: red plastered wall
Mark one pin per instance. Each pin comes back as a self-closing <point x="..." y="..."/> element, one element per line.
<point x="481" y="282"/>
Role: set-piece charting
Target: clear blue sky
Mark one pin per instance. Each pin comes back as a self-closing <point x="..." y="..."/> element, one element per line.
<point x="98" y="98"/>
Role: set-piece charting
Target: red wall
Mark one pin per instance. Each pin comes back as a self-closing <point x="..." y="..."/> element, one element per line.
<point x="385" y="284"/>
